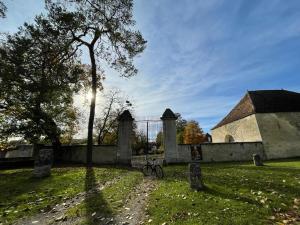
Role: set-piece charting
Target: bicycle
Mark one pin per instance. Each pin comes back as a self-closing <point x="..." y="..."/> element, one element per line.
<point x="151" y="169"/>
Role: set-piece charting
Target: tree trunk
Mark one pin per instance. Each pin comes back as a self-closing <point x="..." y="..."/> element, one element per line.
<point x="99" y="139"/>
<point x="89" y="152"/>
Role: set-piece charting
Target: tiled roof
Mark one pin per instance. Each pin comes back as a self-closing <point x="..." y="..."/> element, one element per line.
<point x="263" y="101"/>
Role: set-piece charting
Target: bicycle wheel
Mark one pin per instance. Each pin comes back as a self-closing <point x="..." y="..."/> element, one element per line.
<point x="159" y="171"/>
<point x="147" y="170"/>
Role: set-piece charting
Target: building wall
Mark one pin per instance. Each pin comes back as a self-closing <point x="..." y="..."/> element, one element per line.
<point x="243" y="130"/>
<point x="223" y="152"/>
<point x="280" y="134"/>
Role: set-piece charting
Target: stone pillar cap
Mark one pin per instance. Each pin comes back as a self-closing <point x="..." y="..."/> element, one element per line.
<point x="125" y="116"/>
<point x="168" y="115"/>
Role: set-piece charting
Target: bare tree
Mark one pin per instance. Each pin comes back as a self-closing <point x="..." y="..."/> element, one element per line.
<point x="107" y="122"/>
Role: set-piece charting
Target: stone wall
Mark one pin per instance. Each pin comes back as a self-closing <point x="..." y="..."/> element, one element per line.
<point x="105" y="154"/>
<point x="280" y="134"/>
<point x="184" y="153"/>
<point x="243" y="130"/>
<point x="223" y="152"/>
<point x="21" y="151"/>
<point x="102" y="154"/>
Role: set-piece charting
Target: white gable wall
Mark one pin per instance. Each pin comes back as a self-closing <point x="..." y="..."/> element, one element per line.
<point x="242" y="130"/>
<point x="280" y="134"/>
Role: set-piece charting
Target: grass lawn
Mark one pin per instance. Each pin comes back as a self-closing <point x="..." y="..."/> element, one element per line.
<point x="22" y="196"/>
<point x="235" y="194"/>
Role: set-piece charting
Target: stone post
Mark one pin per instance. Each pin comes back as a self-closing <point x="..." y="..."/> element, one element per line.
<point x="195" y="175"/>
<point x="125" y="131"/>
<point x="257" y="160"/>
<point x="169" y="134"/>
<point x="43" y="159"/>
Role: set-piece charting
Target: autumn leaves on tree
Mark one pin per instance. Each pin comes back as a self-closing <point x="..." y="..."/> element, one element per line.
<point x="193" y="134"/>
<point x="189" y="132"/>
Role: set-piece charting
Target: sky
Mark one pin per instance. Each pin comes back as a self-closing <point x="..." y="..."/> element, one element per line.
<point x="201" y="56"/>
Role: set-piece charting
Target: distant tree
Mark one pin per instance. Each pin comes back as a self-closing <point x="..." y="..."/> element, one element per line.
<point x="139" y="141"/>
<point x="79" y="141"/>
<point x="2" y="10"/>
<point x="67" y="135"/>
<point x="38" y="75"/>
<point x="105" y="28"/>
<point x="107" y="120"/>
<point x="111" y="138"/>
<point x="193" y="134"/>
<point x="180" y="125"/>
<point x="159" y="138"/>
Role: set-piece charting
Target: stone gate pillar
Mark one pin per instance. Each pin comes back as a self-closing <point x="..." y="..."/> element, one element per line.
<point x="169" y="134"/>
<point x="125" y="131"/>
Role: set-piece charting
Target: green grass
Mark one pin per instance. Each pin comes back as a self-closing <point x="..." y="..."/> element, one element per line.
<point x="107" y="202"/>
<point x="235" y="194"/>
<point x="22" y="195"/>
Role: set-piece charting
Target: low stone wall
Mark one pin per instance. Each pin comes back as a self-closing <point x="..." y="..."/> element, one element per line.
<point x="102" y="154"/>
<point x="105" y="154"/>
<point x="2" y="154"/>
<point x="223" y="152"/>
<point x="21" y="151"/>
<point x="184" y="153"/>
<point x="231" y="151"/>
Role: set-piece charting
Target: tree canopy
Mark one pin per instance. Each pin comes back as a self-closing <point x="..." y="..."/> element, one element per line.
<point x="180" y="125"/>
<point x="38" y="75"/>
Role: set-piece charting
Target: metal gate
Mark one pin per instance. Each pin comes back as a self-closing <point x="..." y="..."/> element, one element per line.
<point x="148" y="137"/>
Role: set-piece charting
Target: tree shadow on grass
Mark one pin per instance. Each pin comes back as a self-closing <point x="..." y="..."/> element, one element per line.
<point x="15" y="183"/>
<point x="183" y="176"/>
<point x="231" y="196"/>
<point x="232" y="183"/>
<point x="96" y="206"/>
<point x="270" y="168"/>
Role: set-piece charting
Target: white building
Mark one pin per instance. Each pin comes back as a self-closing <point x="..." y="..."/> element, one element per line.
<point x="269" y="116"/>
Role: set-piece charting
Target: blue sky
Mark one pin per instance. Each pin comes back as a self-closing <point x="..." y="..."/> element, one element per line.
<point x="202" y="56"/>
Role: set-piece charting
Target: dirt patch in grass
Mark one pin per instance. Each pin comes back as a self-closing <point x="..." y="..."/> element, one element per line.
<point x="134" y="209"/>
